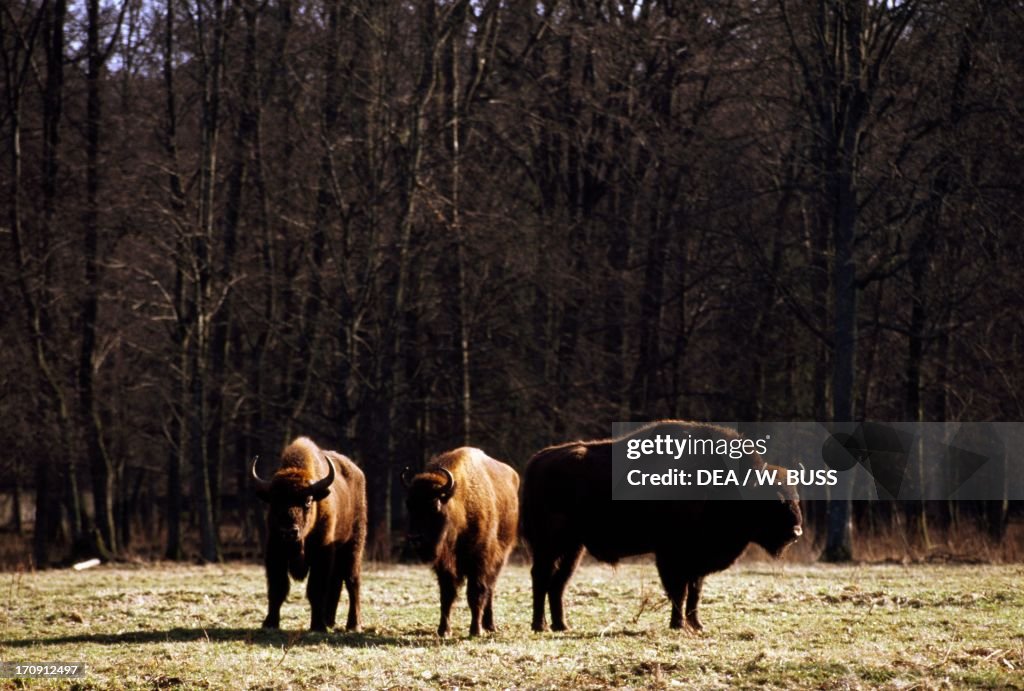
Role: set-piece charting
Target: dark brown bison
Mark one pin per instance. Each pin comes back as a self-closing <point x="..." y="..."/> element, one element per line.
<point x="316" y="524"/>
<point x="567" y="506"/>
<point x="463" y="510"/>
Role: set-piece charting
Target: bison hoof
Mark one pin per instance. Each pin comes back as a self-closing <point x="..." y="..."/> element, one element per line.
<point x="676" y="624"/>
<point x="353" y="628"/>
<point x="269" y="623"/>
<point x="695" y="625"/>
<point x="559" y="626"/>
<point x="443" y="631"/>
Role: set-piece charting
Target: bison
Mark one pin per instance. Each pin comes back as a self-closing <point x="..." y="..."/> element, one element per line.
<point x="567" y="506"/>
<point x="316" y="524"/>
<point x="463" y="511"/>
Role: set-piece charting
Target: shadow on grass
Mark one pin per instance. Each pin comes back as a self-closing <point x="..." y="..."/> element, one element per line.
<point x="219" y="634"/>
<point x="418" y="637"/>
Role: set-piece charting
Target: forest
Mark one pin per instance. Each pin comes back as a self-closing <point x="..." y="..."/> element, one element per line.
<point x="401" y="227"/>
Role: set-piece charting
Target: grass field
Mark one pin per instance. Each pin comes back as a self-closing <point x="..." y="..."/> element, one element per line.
<point x="766" y="625"/>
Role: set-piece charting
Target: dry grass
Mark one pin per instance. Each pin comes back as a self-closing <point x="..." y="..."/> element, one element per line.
<point x="768" y="625"/>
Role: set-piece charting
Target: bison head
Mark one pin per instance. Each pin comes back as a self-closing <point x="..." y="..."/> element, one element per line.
<point x="292" y="495"/>
<point x="427" y="503"/>
<point x="778" y="521"/>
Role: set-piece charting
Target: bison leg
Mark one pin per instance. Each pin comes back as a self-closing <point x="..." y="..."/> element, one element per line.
<point x="556" y="588"/>
<point x="332" y="596"/>
<point x="348" y="573"/>
<point x="352" y="586"/>
<point x="540" y="574"/>
<point x="316" y="593"/>
<point x="277" y="588"/>
<point x="492" y="582"/>
<point x="693" y="589"/>
<point x="355" y="568"/>
<point x="674" y="583"/>
<point x="448" y="585"/>
<point x="489" y="611"/>
<point x="477" y="595"/>
<point x="335" y="581"/>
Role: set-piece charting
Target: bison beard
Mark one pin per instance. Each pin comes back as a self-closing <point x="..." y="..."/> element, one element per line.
<point x="567" y="507"/>
<point x="316" y="525"/>
<point x="463" y="510"/>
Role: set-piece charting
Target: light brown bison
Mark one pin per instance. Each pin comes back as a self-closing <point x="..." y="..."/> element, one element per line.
<point x="463" y="510"/>
<point x="316" y="524"/>
<point x="567" y="506"/>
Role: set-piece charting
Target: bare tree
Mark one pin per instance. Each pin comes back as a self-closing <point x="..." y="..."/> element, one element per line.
<point x="843" y="70"/>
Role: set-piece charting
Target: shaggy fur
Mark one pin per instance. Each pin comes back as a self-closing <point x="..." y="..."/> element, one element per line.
<point x="321" y="535"/>
<point x="567" y="506"/>
<point x="466" y="531"/>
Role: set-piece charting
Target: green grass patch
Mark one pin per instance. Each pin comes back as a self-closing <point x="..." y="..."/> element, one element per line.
<point x="767" y="625"/>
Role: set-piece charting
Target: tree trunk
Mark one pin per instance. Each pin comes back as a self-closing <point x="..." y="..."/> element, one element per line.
<point x="914" y="510"/>
<point x="34" y="294"/>
<point x="839" y="537"/>
<point x="177" y="430"/>
<point x="16" y="525"/>
<point x="205" y="470"/>
<point x="453" y="142"/>
<point x="391" y="393"/>
<point x="96" y="453"/>
<point x="223" y="318"/>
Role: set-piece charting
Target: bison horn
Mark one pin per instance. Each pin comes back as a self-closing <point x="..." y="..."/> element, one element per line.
<point x="449" y="485"/>
<point x="323" y="484"/>
<point x="262" y="486"/>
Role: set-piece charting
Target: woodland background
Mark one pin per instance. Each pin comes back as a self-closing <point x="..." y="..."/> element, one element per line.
<point x="399" y="227"/>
